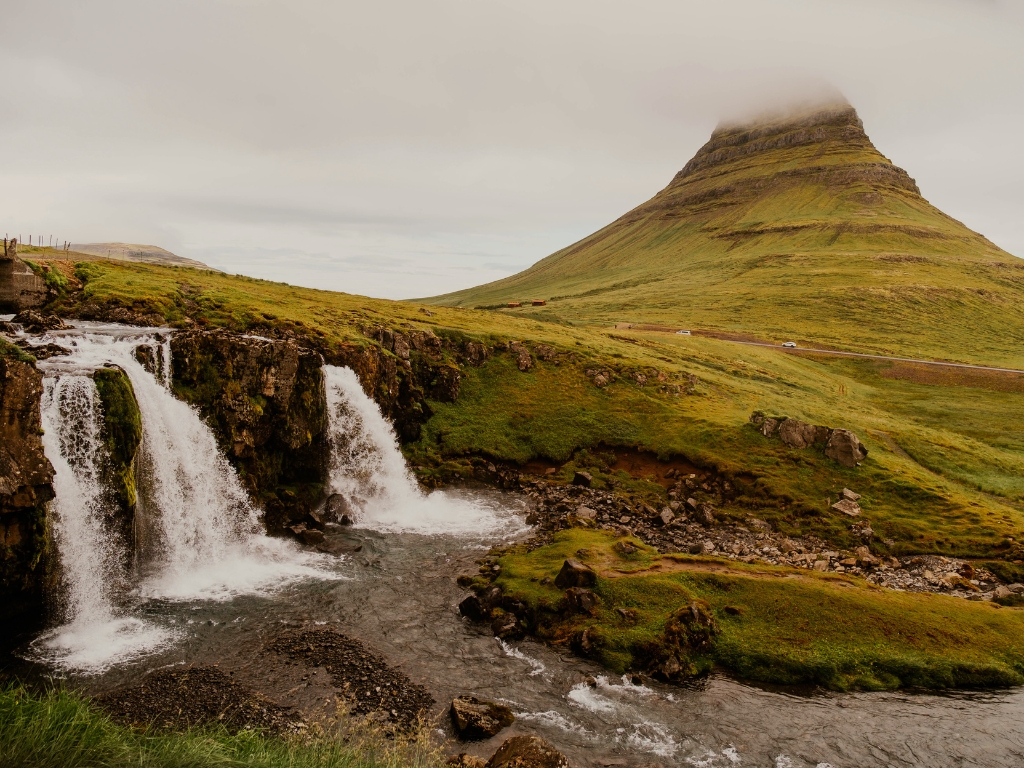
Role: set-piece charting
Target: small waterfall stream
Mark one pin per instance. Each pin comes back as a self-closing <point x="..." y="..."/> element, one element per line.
<point x="369" y="471"/>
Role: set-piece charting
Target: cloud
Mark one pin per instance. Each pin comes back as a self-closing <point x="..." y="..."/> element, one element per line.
<point x="464" y="138"/>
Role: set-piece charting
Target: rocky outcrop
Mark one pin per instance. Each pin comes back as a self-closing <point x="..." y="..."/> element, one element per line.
<point x="122" y="434"/>
<point x="475" y="719"/>
<point x="844" y="448"/>
<point x="840" y="445"/>
<point x="527" y="752"/>
<point x="266" y="403"/>
<point x="25" y="477"/>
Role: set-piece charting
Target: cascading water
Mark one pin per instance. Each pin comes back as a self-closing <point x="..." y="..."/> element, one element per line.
<point x="205" y="541"/>
<point x="369" y="471"/>
<point x="92" y="556"/>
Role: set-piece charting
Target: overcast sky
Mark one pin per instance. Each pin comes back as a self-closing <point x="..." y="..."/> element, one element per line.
<point x="403" y="149"/>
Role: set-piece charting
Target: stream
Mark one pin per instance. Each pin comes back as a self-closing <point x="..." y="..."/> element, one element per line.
<point x="210" y="593"/>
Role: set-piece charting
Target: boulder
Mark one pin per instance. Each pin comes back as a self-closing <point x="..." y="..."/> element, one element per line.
<point x="797" y="434"/>
<point x="691" y="504"/>
<point x="583" y="478"/>
<point x="475" y="719"/>
<point x="575" y="574"/>
<point x="625" y="548"/>
<point x="508" y="627"/>
<point x="586" y="513"/>
<point x="845" y="448"/>
<point x="336" y="508"/>
<point x="705" y="515"/>
<point x="665" y="517"/>
<point x="472" y="608"/>
<point x="848" y="494"/>
<point x="527" y="752"/>
<point x="581" y="600"/>
<point x="847" y="507"/>
<point x="35" y="322"/>
<point x="768" y="427"/>
<point x="524" y="360"/>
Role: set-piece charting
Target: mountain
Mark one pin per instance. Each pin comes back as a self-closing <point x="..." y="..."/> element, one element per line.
<point x="147" y="254"/>
<point x="789" y="226"/>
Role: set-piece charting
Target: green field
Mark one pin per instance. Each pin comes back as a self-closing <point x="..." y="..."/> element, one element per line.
<point x="775" y="625"/>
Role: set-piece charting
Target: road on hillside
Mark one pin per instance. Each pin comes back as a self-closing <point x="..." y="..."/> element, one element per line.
<point x="874" y="357"/>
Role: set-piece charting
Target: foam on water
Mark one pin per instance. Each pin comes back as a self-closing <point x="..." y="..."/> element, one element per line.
<point x="369" y="471"/>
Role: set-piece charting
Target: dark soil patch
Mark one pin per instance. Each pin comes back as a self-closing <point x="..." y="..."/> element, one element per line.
<point x="183" y="698"/>
<point x="363" y="678"/>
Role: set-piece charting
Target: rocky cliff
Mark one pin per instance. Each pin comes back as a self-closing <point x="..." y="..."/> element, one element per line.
<point x="265" y="400"/>
<point x="25" y="475"/>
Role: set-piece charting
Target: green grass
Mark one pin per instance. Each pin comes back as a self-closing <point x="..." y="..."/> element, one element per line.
<point x="784" y="625"/>
<point x="59" y="729"/>
<point x="946" y="455"/>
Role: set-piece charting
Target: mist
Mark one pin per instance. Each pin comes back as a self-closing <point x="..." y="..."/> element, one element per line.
<point x="403" y="149"/>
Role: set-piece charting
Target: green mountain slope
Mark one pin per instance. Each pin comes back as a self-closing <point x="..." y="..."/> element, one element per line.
<point x="794" y="227"/>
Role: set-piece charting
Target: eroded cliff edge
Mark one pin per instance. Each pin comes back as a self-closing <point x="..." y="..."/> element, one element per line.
<point x="25" y="488"/>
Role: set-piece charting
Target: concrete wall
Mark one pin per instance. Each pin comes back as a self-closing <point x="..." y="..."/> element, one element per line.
<point x="20" y="287"/>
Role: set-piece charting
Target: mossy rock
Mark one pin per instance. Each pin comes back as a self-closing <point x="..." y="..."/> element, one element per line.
<point x="122" y="435"/>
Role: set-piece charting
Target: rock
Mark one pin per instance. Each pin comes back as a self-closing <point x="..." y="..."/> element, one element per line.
<point x="768" y="427"/>
<point x="691" y="504"/>
<point x="586" y="513"/>
<point x="820" y="565"/>
<point x="1016" y="588"/>
<point x="581" y="600"/>
<point x="850" y="495"/>
<point x="847" y="507"/>
<point x="797" y="434"/>
<point x="507" y="627"/>
<point x="527" y="752"/>
<point x="35" y="322"/>
<point x="312" y="536"/>
<point x="582" y="478"/>
<point x="956" y="581"/>
<point x="665" y="517"/>
<point x="25" y="489"/>
<point x="705" y="515"/>
<point x="627" y="614"/>
<point x="472" y="608"/>
<point x="575" y="574"/>
<point x="1001" y="592"/>
<point x="845" y="448"/>
<point x="625" y="548"/>
<point x="462" y="760"/>
<point x="475" y="719"/>
<point x="337" y="508"/>
<point x="476" y="353"/>
<point x="266" y="403"/>
<point x="524" y="361"/>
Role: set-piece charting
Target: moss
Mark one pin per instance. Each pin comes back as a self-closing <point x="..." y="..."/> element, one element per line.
<point x="10" y="351"/>
<point x="772" y="624"/>
<point x="122" y="434"/>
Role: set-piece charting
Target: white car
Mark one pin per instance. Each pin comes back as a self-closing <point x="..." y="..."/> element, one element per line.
<point x="682" y="333"/>
<point x="789" y="344"/>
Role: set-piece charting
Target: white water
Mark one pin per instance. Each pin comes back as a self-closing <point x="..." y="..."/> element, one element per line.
<point x="204" y="537"/>
<point x="92" y="556"/>
<point x="368" y="469"/>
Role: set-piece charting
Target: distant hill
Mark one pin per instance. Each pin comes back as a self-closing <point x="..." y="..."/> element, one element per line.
<point x="790" y="226"/>
<point x="149" y="254"/>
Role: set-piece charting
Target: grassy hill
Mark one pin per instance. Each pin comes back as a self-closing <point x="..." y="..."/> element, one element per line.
<point x="792" y="227"/>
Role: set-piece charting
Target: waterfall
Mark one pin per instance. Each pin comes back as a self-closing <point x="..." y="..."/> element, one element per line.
<point x="369" y="471"/>
<point x="92" y="556"/>
<point x="204" y="540"/>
